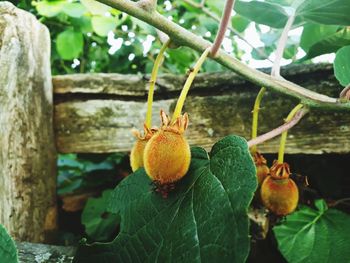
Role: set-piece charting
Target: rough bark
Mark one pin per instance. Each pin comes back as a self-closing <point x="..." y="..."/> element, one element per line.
<point x="35" y="253"/>
<point x="27" y="153"/>
<point x="95" y="112"/>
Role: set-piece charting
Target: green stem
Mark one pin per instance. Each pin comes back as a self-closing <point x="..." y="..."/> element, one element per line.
<point x="256" y="116"/>
<point x="153" y="83"/>
<point x="284" y="134"/>
<point x="189" y="80"/>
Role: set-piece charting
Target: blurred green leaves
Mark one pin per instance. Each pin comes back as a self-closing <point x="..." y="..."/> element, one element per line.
<point x="99" y="224"/>
<point x="69" y="44"/>
<point x="102" y="25"/>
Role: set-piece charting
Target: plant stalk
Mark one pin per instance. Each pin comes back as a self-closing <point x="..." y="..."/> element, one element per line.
<point x="152" y="82"/>
<point x="225" y="19"/>
<point x="284" y="134"/>
<point x="189" y="80"/>
<point x="256" y="116"/>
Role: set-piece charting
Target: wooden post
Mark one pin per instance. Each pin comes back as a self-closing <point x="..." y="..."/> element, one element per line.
<point x="27" y="149"/>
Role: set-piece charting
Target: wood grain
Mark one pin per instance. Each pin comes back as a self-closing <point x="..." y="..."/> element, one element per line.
<point x="96" y="112"/>
<point x="27" y="152"/>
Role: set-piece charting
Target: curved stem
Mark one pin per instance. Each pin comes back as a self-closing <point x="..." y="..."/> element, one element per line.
<point x="284" y="134"/>
<point x="281" y="46"/>
<point x="152" y="82"/>
<point x="189" y="80"/>
<point x="277" y="131"/>
<point x="256" y="116"/>
<point x="343" y="200"/>
<point x="226" y="18"/>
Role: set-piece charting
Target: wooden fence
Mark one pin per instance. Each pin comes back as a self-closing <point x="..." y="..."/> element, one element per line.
<point x="41" y="115"/>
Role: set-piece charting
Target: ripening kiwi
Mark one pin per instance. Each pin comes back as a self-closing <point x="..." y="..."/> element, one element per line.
<point x="136" y="155"/>
<point x="262" y="171"/>
<point x="278" y="192"/>
<point x="167" y="154"/>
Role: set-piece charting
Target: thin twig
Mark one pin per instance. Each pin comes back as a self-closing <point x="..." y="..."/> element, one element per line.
<point x="225" y="19"/>
<point x="184" y="37"/>
<point x="275" y="132"/>
<point x="276" y="68"/>
<point x="229" y="27"/>
<point x="343" y="200"/>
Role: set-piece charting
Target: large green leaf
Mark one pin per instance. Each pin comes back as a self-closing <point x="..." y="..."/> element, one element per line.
<point x="8" y="251"/>
<point x="274" y="13"/>
<point x="269" y="14"/>
<point x="342" y="66"/>
<point x="313" y="33"/>
<point x="329" y="44"/>
<point x="203" y="220"/>
<point x="69" y="44"/>
<point x="330" y="12"/>
<point x="310" y="235"/>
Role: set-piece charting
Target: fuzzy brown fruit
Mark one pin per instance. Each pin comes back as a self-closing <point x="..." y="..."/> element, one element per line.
<point x="136" y="155"/>
<point x="262" y="171"/>
<point x="279" y="193"/>
<point x="167" y="154"/>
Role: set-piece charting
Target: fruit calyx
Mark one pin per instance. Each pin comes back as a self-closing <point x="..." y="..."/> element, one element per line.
<point x="259" y="159"/>
<point x="178" y="126"/>
<point x="279" y="171"/>
<point x="147" y="132"/>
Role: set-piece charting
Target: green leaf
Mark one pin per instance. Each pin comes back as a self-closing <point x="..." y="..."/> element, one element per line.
<point x="99" y="224"/>
<point x="310" y="235"/>
<point x="69" y="44"/>
<point x="334" y="12"/>
<point x="264" y="13"/>
<point x="216" y="6"/>
<point x="342" y="65"/>
<point x="50" y="8"/>
<point x="82" y="24"/>
<point x="313" y="33"/>
<point x="8" y="250"/>
<point x="203" y="220"/>
<point x="103" y="24"/>
<point x="240" y="23"/>
<point x="74" y="9"/>
<point x="95" y="7"/>
<point x="330" y="43"/>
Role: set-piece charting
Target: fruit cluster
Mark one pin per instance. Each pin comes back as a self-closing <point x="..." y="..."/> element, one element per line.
<point x="164" y="152"/>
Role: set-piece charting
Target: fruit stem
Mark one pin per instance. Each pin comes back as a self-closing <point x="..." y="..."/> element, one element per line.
<point x="284" y="134"/>
<point x="186" y="87"/>
<point x="256" y="116"/>
<point x="152" y="82"/>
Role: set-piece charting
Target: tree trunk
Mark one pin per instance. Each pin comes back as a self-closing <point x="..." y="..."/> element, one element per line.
<point x="27" y="150"/>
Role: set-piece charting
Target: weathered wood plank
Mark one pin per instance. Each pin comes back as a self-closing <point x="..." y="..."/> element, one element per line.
<point x="95" y="113"/>
<point x="27" y="149"/>
<point x="41" y="253"/>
